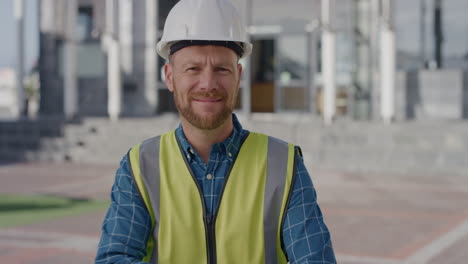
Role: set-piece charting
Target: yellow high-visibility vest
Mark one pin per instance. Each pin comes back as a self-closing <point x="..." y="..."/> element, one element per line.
<point x="246" y="228"/>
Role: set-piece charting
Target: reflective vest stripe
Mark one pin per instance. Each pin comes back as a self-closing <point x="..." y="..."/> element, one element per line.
<point x="145" y="167"/>
<point x="149" y="165"/>
<point x="277" y="167"/>
<point x="141" y="182"/>
<point x="289" y="183"/>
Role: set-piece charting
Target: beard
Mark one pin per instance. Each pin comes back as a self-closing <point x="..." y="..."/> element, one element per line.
<point x="205" y="122"/>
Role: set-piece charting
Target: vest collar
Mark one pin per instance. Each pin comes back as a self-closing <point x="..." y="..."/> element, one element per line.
<point x="229" y="147"/>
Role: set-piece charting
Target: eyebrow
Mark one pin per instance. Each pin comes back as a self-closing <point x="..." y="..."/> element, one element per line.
<point x="220" y="64"/>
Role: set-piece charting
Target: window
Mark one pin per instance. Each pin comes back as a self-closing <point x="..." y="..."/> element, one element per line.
<point x="85" y="23"/>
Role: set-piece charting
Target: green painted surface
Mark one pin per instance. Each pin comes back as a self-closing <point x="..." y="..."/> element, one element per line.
<point x="17" y="210"/>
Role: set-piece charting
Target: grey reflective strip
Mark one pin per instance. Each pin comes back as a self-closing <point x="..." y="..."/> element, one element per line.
<point x="277" y="165"/>
<point x="149" y="168"/>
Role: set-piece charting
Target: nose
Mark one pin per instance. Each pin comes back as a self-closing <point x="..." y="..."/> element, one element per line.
<point x="207" y="79"/>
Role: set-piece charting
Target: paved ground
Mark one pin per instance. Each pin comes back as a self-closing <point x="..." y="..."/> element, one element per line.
<point x="381" y="219"/>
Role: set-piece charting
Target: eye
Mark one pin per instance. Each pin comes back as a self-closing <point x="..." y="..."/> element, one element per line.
<point x="192" y="69"/>
<point x="222" y="69"/>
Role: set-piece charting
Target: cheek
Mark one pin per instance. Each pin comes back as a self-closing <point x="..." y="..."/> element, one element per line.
<point x="185" y="83"/>
<point x="231" y="85"/>
<point x="180" y="87"/>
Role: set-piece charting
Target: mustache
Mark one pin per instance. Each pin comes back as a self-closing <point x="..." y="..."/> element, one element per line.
<point x="209" y="94"/>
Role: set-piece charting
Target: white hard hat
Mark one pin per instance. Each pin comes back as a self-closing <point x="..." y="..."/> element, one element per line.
<point x="204" y="20"/>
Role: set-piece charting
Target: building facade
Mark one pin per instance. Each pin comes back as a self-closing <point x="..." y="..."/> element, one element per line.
<point x="115" y="70"/>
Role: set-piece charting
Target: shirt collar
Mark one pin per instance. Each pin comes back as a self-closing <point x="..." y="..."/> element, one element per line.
<point x="230" y="146"/>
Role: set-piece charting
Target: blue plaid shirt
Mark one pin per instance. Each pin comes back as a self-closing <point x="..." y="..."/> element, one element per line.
<point x="127" y="224"/>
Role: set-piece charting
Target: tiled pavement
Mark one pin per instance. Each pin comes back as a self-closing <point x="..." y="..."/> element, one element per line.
<point x="381" y="219"/>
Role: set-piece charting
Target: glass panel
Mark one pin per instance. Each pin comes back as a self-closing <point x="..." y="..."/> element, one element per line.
<point x="416" y="37"/>
<point x="292" y="72"/>
<point x="85" y="23"/>
<point x="455" y="34"/>
<point x="90" y="60"/>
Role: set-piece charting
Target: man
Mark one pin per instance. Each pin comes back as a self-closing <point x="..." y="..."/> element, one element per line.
<point x="210" y="191"/>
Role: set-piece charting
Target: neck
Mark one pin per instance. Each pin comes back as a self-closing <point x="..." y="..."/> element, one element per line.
<point x="202" y="139"/>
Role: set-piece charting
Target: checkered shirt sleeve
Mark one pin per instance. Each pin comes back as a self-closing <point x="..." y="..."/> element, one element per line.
<point x="127" y="223"/>
<point x="305" y="235"/>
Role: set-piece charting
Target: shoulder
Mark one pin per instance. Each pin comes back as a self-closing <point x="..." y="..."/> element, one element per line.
<point x="265" y="136"/>
<point x="150" y="141"/>
<point x="273" y="139"/>
<point x="276" y="143"/>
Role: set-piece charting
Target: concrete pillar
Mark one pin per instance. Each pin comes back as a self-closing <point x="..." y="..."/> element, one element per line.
<point x="246" y="88"/>
<point x="20" y="95"/>
<point x="438" y="34"/>
<point x="387" y="64"/>
<point x="422" y="33"/>
<point x="114" y="83"/>
<point x="151" y="57"/>
<point x="114" y="105"/>
<point x="126" y="35"/>
<point x="374" y="66"/>
<point x="312" y="70"/>
<point x="328" y="62"/>
<point x="70" y="92"/>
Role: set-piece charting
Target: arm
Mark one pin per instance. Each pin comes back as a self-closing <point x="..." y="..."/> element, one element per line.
<point x="127" y="224"/>
<point x="305" y="235"/>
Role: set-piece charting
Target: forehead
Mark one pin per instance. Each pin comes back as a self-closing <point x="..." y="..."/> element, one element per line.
<point x="203" y="54"/>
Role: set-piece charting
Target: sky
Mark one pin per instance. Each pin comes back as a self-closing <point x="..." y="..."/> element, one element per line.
<point x="8" y="45"/>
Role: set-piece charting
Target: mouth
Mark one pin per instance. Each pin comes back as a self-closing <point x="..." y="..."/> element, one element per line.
<point x="207" y="100"/>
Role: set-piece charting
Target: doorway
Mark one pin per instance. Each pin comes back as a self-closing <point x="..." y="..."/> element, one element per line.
<point x="263" y="75"/>
<point x="280" y="73"/>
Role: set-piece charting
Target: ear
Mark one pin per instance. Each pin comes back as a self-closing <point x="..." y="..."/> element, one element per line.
<point x="168" y="74"/>
<point x="239" y="70"/>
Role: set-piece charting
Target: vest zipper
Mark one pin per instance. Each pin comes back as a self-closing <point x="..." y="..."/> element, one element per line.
<point x="215" y="215"/>
<point x="210" y="238"/>
<point x="209" y="221"/>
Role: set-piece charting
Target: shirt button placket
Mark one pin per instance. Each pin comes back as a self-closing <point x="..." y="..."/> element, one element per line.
<point x="209" y="176"/>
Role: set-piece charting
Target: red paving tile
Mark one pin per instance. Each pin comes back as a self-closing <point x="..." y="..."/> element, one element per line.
<point x="67" y="258"/>
<point x="46" y="256"/>
<point x="378" y="235"/>
<point x="429" y="236"/>
<point x="88" y="224"/>
<point x="7" y="250"/>
<point x="32" y="177"/>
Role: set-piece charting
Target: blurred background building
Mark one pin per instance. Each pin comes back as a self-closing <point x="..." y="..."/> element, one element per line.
<point x="353" y="60"/>
<point x="97" y="58"/>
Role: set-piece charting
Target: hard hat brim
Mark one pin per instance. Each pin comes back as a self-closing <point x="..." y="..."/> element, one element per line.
<point x="164" y="47"/>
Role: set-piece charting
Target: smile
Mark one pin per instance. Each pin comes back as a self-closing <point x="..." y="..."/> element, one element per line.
<point x="207" y="100"/>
